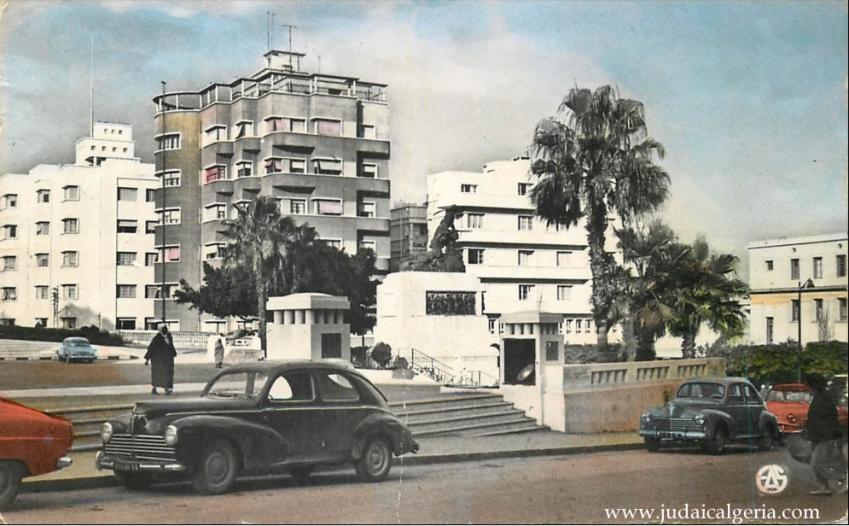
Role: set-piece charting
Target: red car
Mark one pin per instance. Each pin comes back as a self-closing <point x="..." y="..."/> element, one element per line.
<point x="789" y="403"/>
<point x="31" y="443"/>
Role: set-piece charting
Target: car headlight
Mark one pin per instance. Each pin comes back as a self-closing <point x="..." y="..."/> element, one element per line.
<point x="699" y="418"/>
<point x="646" y="417"/>
<point x="106" y="432"/>
<point x="170" y="435"/>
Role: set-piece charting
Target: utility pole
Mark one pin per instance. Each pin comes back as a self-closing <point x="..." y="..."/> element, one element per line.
<point x="161" y="215"/>
<point x="91" y="89"/>
<point x="55" y="298"/>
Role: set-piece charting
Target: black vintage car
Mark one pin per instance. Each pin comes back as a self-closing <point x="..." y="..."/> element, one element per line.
<point x="711" y="412"/>
<point x="265" y="417"/>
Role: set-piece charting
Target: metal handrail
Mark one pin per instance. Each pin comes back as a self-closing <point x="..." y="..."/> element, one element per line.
<point x="441" y="372"/>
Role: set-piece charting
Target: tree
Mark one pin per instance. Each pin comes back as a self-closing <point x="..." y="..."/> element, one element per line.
<point x="227" y="291"/>
<point x="381" y="353"/>
<point x="593" y="160"/>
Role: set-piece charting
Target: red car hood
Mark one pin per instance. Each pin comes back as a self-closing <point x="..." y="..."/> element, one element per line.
<point x="32" y="436"/>
<point x="783" y="408"/>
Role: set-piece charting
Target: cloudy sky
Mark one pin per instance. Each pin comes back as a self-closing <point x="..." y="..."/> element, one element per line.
<point x="750" y="99"/>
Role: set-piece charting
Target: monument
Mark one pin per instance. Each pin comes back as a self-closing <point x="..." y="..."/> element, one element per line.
<point x="308" y="326"/>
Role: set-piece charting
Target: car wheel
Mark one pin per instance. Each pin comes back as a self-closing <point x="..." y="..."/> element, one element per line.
<point x="376" y="461"/>
<point x="652" y="444"/>
<point x="766" y="441"/>
<point x="134" y="480"/>
<point x="11" y="474"/>
<point x="216" y="468"/>
<point x="716" y="445"/>
<point x="301" y="473"/>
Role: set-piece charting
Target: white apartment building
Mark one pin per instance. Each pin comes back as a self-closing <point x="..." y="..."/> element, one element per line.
<point x="76" y="240"/>
<point x="522" y="263"/>
<point x="779" y="270"/>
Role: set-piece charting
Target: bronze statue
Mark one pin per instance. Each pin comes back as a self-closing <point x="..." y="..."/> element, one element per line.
<point x="443" y="255"/>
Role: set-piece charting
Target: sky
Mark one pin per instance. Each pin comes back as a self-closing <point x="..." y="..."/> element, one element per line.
<point x="748" y="98"/>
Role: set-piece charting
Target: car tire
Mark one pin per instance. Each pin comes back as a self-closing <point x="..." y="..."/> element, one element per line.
<point x="652" y="444"/>
<point x="301" y="473"/>
<point x="134" y="480"/>
<point x="716" y="444"/>
<point x="11" y="474"/>
<point x="376" y="461"/>
<point x="216" y="468"/>
<point x="767" y="439"/>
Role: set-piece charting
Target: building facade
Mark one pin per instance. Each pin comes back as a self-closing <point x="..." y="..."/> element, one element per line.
<point x="319" y="143"/>
<point x="522" y="263"/>
<point x="407" y="232"/>
<point x="783" y="271"/>
<point x="77" y="243"/>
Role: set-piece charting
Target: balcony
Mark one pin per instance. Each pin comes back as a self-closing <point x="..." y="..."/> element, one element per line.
<point x="250" y="144"/>
<point x="345" y="146"/>
<point x="224" y="148"/>
<point x="377" y="187"/>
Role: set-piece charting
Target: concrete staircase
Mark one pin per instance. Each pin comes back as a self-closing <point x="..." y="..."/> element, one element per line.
<point x="467" y="414"/>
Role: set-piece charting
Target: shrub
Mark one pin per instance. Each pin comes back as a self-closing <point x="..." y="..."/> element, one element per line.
<point x="779" y="363"/>
<point x="575" y="354"/>
<point x="359" y="356"/>
<point x="91" y="333"/>
<point x="400" y="363"/>
<point x="381" y="353"/>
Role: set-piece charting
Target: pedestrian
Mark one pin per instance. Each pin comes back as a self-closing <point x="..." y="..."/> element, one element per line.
<point x="824" y="433"/>
<point x="160" y="355"/>
<point x="219" y="351"/>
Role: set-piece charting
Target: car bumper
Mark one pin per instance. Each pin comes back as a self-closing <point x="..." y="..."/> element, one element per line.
<point x="673" y="435"/>
<point x="64" y="462"/>
<point x="102" y="462"/>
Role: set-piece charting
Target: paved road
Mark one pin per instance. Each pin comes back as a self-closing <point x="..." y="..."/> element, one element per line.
<point x="565" y="489"/>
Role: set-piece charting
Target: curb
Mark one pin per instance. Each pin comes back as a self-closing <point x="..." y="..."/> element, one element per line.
<point x="53" y="358"/>
<point x="103" y="481"/>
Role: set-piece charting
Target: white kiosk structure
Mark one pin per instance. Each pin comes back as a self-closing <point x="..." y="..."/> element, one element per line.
<point x="308" y="326"/>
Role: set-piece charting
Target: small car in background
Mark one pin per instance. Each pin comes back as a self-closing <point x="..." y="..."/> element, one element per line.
<point x="31" y="443"/>
<point x="711" y="412"/>
<point x="76" y="348"/>
<point x="261" y="417"/>
<point x="790" y="403"/>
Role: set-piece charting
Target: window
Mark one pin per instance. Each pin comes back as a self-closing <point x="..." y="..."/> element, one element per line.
<point x="297" y="166"/>
<point x="474" y="256"/>
<point x="285" y="124"/>
<point x="10" y="231"/>
<point x="215" y="133"/>
<point x="469" y="188"/>
<point x="818" y="307"/>
<point x="474" y="221"/>
<point x="327" y="127"/>
<point x="71" y="226"/>
<point x="213" y="251"/>
<point x="794" y="310"/>
<point x="9" y="201"/>
<point x="243" y="129"/>
<point x="369" y="244"/>
<point x="72" y="193"/>
<point x="769" y="265"/>
<point x="244" y="168"/>
<point x="327" y="166"/>
<point x="525" y="257"/>
<point x="10" y="263"/>
<point x="150" y="195"/>
<point x="42" y="292"/>
<point x="331" y="346"/>
<point x="328" y="207"/>
<point x="70" y="258"/>
<point x="172" y="254"/>
<point x="566" y="327"/>
<point x="564" y="292"/>
<point x="368" y="131"/>
<point x="563" y="258"/>
<point x="127" y="194"/>
<point x="125" y="324"/>
<point x="794" y="268"/>
<point x="150" y="259"/>
<point x="150" y="227"/>
<point x="215" y="173"/>
<point x="579" y="326"/>
<point x="841" y="304"/>
<point x="841" y="265"/>
<point x="769" y="329"/>
<point x="9" y="294"/>
<point x="297" y="206"/>
<point x="523" y="188"/>
<point x="273" y="165"/>
<point x="526" y="222"/>
<point x="492" y="325"/>
<point x="335" y="243"/>
<point x="170" y="216"/>
<point x="171" y="178"/>
<point x="126" y="258"/>
<point x="291" y="387"/>
<point x="367" y="209"/>
<point x="127" y="226"/>
<point x="42" y="260"/>
<point x="69" y="322"/>
<point x="335" y="387"/>
<point x="152" y="291"/>
<point x="552" y="351"/>
<point x="817" y="268"/>
<point x="40" y="322"/>
<point x="169" y="141"/>
<point x="525" y="292"/>
<point x="368" y="170"/>
<point x="70" y="291"/>
<point x="42" y="228"/>
<point x="215" y="212"/>
<point x="42" y="196"/>
<point x="125" y="291"/>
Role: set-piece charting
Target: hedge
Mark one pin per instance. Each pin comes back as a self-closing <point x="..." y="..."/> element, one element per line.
<point x="91" y="333"/>
<point x="779" y="363"/>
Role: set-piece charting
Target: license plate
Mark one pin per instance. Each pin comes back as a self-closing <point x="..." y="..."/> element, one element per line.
<point x="125" y="466"/>
<point x="671" y="434"/>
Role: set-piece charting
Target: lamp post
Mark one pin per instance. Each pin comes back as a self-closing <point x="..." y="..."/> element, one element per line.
<point x="809" y="284"/>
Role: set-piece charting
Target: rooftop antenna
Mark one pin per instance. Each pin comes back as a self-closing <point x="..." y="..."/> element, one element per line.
<point x="319" y="63"/>
<point x="269" y="28"/>
<point x="290" y="27"/>
<point x="91" y="88"/>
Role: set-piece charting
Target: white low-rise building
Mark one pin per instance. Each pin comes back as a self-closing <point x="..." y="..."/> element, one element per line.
<point x="76" y="240"/>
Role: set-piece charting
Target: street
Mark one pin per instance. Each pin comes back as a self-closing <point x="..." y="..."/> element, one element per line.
<point x="565" y="489"/>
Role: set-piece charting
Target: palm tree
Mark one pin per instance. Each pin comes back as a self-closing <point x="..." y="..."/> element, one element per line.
<point x="593" y="160"/>
<point x="709" y="292"/>
<point x="262" y="238"/>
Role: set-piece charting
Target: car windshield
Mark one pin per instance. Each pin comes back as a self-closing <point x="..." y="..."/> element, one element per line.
<point x="77" y="343"/>
<point x="237" y="385"/>
<point x="788" y="396"/>
<point x="701" y="390"/>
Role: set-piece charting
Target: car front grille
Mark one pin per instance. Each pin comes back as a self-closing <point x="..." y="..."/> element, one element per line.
<point x="674" y="424"/>
<point x="140" y="447"/>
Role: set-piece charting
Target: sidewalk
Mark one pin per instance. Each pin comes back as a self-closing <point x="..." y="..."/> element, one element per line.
<point x="445" y="449"/>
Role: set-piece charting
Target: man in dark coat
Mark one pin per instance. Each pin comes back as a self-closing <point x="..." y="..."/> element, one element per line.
<point x="160" y="354"/>
<point x="824" y="433"/>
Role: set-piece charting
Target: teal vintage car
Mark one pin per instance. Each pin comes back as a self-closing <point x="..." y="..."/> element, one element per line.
<point x="76" y="349"/>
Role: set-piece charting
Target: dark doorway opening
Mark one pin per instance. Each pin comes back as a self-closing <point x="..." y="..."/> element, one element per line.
<point x="518" y="355"/>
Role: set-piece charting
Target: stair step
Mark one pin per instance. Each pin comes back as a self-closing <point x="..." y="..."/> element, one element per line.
<point x="524" y="427"/>
<point x="452" y="408"/>
<point x="446" y="400"/>
<point x="464" y="418"/>
<point x="455" y="429"/>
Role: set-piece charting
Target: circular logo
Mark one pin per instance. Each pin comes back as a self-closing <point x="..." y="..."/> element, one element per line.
<point x="771" y="479"/>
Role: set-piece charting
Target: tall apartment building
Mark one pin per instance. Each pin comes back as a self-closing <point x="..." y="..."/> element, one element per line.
<point x="522" y="263"/>
<point x="779" y="270"/>
<point x="317" y="142"/>
<point x="83" y="230"/>
<point x="407" y="232"/>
